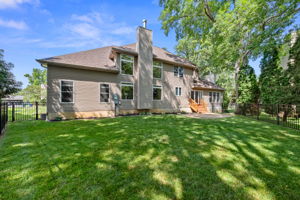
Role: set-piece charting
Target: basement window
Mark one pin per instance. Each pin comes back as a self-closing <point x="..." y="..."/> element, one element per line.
<point x="127" y="64"/>
<point x="127" y="91"/>
<point x="157" y="92"/>
<point x="157" y="69"/>
<point x="104" y="93"/>
<point x="66" y="89"/>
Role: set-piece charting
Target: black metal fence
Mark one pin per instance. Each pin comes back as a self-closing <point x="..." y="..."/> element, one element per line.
<point x="3" y="116"/>
<point x="23" y="111"/>
<point x="281" y="114"/>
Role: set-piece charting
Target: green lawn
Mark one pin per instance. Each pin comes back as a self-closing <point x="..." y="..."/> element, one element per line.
<point x="150" y="157"/>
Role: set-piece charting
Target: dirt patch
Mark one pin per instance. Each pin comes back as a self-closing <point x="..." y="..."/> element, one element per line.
<point x="208" y="115"/>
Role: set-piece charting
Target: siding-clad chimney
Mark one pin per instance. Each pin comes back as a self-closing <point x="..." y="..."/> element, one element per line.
<point x="144" y="68"/>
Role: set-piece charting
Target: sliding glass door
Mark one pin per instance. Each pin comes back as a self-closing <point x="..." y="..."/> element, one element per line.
<point x="196" y="95"/>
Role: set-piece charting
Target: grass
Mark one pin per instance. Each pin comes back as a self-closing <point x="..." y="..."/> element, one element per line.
<point x="150" y="157"/>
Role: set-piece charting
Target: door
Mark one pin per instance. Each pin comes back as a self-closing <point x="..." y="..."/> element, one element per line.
<point x="196" y="95"/>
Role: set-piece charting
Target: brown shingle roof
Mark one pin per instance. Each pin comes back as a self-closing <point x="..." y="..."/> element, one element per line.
<point x="163" y="55"/>
<point x="204" y="84"/>
<point x="99" y="59"/>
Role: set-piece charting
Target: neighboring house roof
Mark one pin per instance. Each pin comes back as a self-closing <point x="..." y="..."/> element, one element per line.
<point x="13" y="98"/>
<point x="204" y="84"/>
<point x="100" y="58"/>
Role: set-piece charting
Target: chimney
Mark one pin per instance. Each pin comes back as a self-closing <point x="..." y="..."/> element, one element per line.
<point x="144" y="67"/>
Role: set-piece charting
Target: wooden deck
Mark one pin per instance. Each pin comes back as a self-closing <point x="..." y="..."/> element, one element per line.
<point x="198" y="107"/>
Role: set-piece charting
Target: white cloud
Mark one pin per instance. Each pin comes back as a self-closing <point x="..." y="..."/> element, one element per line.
<point x="85" y="30"/>
<point x="15" y="3"/>
<point x="20" y="25"/>
<point x="123" y="30"/>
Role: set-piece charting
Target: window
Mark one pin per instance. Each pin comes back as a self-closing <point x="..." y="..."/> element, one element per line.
<point x="127" y="91"/>
<point x="157" y="69"/>
<point x="178" y="71"/>
<point x="66" y="88"/>
<point x="178" y="91"/>
<point x="156" y="92"/>
<point x="214" y="97"/>
<point x="104" y="93"/>
<point x="126" y="64"/>
<point x="210" y="97"/>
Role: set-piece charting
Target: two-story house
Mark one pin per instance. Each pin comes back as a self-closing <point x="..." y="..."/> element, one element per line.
<point x="145" y="78"/>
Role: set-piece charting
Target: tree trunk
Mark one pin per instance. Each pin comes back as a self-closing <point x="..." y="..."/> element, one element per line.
<point x="236" y="84"/>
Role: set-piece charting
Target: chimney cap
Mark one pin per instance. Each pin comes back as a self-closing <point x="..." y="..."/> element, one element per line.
<point x="145" y="23"/>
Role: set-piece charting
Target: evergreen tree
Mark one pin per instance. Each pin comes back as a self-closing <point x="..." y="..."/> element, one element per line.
<point x="291" y="84"/>
<point x="248" y="86"/>
<point x="271" y="78"/>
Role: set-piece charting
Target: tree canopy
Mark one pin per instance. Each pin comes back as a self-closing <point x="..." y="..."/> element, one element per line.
<point x="8" y="83"/>
<point x="220" y="35"/>
<point x="36" y="89"/>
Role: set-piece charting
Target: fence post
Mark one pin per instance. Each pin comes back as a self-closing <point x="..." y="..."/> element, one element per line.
<point x="258" y="111"/>
<point x="0" y="118"/>
<point x="36" y="110"/>
<point x="13" y="112"/>
<point x="6" y="112"/>
<point x="278" y="119"/>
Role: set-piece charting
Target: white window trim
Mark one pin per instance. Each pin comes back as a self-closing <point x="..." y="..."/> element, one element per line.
<point x="60" y="96"/>
<point x="109" y="93"/>
<point x="161" y="66"/>
<point x="179" y="94"/>
<point x="178" y="74"/>
<point x="128" y="84"/>
<point x="131" y="61"/>
<point x="161" y="96"/>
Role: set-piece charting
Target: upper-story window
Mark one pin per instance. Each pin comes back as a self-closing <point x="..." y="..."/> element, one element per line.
<point x="178" y="71"/>
<point x="157" y="69"/>
<point x="127" y="64"/>
<point x="66" y="89"/>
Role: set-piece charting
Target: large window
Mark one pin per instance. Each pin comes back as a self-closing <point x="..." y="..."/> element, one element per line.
<point x="214" y="97"/>
<point x="157" y="69"/>
<point x="66" y="88"/>
<point x="127" y="91"/>
<point x="156" y="92"/>
<point x="104" y="92"/>
<point x="178" y="91"/>
<point x="178" y="71"/>
<point x="127" y="64"/>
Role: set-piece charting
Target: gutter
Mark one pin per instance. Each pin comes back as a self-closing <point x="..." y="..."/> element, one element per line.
<point x="46" y="63"/>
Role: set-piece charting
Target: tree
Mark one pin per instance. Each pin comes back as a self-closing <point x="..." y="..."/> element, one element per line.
<point x="8" y="84"/>
<point x="38" y="77"/>
<point x="36" y="89"/>
<point x="271" y="77"/>
<point x="248" y="86"/>
<point x="227" y="32"/>
<point x="291" y="84"/>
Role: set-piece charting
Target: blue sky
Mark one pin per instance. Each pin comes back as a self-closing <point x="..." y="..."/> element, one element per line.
<point x="31" y="29"/>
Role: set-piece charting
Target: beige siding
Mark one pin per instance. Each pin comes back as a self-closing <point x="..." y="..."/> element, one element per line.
<point x="87" y="92"/>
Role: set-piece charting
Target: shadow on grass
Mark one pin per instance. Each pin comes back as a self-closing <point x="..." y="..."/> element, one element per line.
<point x="158" y="157"/>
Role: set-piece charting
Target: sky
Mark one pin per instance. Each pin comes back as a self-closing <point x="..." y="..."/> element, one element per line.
<point x="33" y="29"/>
